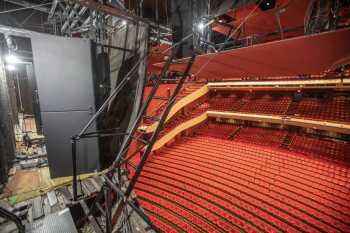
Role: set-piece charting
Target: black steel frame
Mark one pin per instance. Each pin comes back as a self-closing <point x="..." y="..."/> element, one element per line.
<point x="12" y="217"/>
<point x="115" y="199"/>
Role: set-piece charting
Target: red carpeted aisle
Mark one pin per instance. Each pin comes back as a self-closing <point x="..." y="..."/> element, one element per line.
<point x="212" y="184"/>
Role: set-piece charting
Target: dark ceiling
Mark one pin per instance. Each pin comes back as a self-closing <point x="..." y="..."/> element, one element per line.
<point x="36" y="19"/>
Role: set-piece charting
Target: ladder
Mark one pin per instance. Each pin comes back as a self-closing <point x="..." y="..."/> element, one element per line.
<point x="114" y="201"/>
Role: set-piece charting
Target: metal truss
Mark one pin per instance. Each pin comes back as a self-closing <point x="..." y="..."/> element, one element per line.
<point x="110" y="210"/>
<point x="75" y="18"/>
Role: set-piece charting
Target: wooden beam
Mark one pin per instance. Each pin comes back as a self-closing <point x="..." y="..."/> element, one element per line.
<point x="178" y="106"/>
<point x="177" y="130"/>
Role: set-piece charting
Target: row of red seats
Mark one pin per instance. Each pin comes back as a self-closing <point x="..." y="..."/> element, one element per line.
<point x="231" y="103"/>
<point x="157" y="106"/>
<point x="292" y="169"/>
<point x="261" y="136"/>
<point x="268" y="104"/>
<point x="320" y="167"/>
<point x="219" y="130"/>
<point x="208" y="184"/>
<point x="335" y="108"/>
<point x="180" y="118"/>
<point x="326" y="149"/>
<point x="336" y="151"/>
<point x="249" y="102"/>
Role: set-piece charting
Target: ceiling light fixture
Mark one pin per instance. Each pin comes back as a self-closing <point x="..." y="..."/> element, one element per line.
<point x="10" y="67"/>
<point x="12" y="59"/>
<point x="201" y="26"/>
<point x="265" y="5"/>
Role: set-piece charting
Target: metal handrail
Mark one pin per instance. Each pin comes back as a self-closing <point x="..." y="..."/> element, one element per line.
<point x="12" y="217"/>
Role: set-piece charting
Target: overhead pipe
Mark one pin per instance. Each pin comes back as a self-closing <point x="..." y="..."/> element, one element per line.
<point x="28" y="5"/>
<point x="53" y="9"/>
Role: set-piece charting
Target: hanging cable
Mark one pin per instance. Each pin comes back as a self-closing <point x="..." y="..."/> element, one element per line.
<point x="28" y="7"/>
<point x="166" y="13"/>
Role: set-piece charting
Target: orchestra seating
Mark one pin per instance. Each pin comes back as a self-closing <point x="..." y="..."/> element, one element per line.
<point x="230" y="178"/>
<point x="332" y="150"/>
<point x="261" y="136"/>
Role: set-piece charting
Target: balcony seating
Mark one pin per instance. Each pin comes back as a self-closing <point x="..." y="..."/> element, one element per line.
<point x="157" y="106"/>
<point x="268" y="104"/>
<point x="229" y="103"/>
<point x="332" y="108"/>
<point x="265" y="104"/>
<point x="180" y="118"/>
<point x="208" y="183"/>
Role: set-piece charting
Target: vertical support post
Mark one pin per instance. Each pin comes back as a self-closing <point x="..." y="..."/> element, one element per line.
<point x="74" y="161"/>
<point x="121" y="204"/>
<point x="107" y="196"/>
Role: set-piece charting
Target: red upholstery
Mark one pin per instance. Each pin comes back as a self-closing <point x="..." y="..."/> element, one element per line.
<point x="230" y="178"/>
<point x="259" y="103"/>
<point x="180" y="118"/>
<point x="268" y="104"/>
<point x="333" y="108"/>
<point x="157" y="106"/>
<point x="223" y="131"/>
<point x="261" y="136"/>
<point x="328" y="149"/>
<point x="229" y="103"/>
<point x="210" y="184"/>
